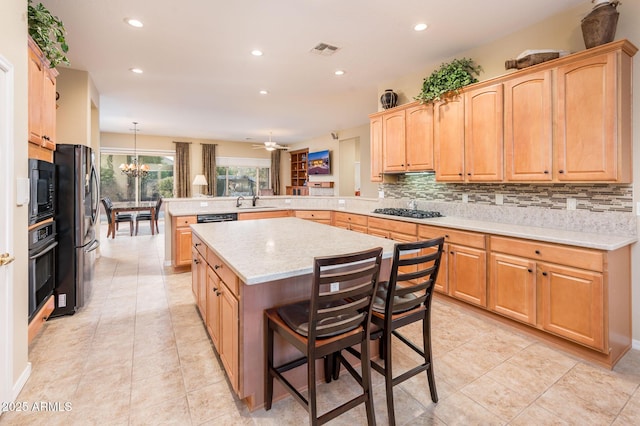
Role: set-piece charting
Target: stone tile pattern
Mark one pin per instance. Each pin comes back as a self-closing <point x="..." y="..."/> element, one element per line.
<point x="138" y="354"/>
<point x="589" y="197"/>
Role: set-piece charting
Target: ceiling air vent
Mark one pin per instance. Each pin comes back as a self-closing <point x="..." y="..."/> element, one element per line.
<point x="324" y="49"/>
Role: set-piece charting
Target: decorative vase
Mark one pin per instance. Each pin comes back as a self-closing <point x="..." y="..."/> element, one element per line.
<point x="389" y="99"/>
<point x="599" y="26"/>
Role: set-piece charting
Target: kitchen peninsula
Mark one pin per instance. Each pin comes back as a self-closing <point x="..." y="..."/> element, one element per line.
<point x="243" y="267"/>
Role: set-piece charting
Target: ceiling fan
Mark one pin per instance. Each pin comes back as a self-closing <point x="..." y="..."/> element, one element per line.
<point x="270" y="145"/>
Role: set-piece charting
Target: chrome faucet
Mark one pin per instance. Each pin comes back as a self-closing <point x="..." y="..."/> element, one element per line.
<point x="253" y="201"/>
<point x="239" y="201"/>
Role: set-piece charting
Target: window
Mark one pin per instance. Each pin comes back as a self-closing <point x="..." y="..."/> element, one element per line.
<point x="120" y="187"/>
<point x="242" y="176"/>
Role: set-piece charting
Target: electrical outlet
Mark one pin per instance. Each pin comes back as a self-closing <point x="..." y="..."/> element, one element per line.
<point x="335" y="287"/>
<point x="62" y="300"/>
<point x="340" y="201"/>
<point x="465" y="198"/>
<point x="380" y="194"/>
<point x="499" y="199"/>
<point x="571" y="203"/>
<point x="203" y="204"/>
<point x="287" y="201"/>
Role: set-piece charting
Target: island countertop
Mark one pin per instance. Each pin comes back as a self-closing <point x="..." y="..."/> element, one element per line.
<point x="260" y="251"/>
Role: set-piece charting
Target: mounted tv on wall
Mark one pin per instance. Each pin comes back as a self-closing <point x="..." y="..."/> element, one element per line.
<point x="319" y="163"/>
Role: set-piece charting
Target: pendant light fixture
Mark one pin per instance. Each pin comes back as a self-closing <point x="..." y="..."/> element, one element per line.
<point x="134" y="169"/>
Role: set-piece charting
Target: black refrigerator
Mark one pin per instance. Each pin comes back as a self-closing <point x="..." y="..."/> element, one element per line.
<point x="77" y="209"/>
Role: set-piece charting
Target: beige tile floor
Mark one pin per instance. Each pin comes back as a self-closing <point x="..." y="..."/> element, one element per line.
<point x="139" y="354"/>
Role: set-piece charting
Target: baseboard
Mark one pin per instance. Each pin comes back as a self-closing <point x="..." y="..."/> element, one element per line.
<point x="635" y="344"/>
<point x="19" y="384"/>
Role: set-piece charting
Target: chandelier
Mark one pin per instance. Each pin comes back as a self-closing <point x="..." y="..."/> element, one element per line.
<point x="134" y="169"/>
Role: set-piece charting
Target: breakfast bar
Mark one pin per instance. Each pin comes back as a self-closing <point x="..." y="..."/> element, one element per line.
<point x="242" y="268"/>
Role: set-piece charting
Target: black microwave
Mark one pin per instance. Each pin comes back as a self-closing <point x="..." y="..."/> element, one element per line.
<point x="42" y="196"/>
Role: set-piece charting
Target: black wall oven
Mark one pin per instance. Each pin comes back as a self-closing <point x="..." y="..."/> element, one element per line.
<point x="42" y="187"/>
<point x="42" y="263"/>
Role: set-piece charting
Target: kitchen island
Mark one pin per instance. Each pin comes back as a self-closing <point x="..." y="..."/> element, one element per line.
<point x="244" y="267"/>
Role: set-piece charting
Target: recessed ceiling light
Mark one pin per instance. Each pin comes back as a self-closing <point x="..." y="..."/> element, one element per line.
<point x="136" y="70"/>
<point x="256" y="52"/>
<point x="264" y="92"/>
<point x="134" y="22"/>
<point x="420" y="27"/>
<point x="339" y="72"/>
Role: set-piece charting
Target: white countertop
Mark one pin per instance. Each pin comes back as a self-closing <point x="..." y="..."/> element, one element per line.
<point x="266" y="250"/>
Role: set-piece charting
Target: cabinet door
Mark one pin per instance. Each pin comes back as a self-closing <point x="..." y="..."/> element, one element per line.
<point x="468" y="274"/>
<point x="419" y="138"/>
<point x="483" y="134"/>
<point x="449" y="140"/>
<point x="228" y="349"/>
<point x="48" y="115"/>
<point x="183" y="246"/>
<point x="36" y="87"/>
<point x="376" y="149"/>
<point x="213" y="307"/>
<point x="393" y="142"/>
<point x="528" y="127"/>
<point x="573" y="304"/>
<point x="512" y="289"/>
<point x="195" y="288"/>
<point x="586" y="114"/>
<point x="201" y="270"/>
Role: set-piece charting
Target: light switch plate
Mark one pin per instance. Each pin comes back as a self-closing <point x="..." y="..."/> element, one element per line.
<point x="571" y="203"/>
<point x="335" y="287"/>
<point x="22" y="191"/>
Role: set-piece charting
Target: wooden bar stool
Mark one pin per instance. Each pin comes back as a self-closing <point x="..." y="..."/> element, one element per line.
<point x="322" y="327"/>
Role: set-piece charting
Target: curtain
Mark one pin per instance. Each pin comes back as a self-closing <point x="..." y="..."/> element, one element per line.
<point x="275" y="171"/>
<point x="183" y="170"/>
<point x="209" y="167"/>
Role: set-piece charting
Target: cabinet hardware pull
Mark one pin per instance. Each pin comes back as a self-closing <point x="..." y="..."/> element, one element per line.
<point x="537" y="251"/>
<point x="452" y="252"/>
<point x="446" y="235"/>
<point x="195" y="261"/>
<point x="468" y="174"/>
<point x="216" y="266"/>
<point x="197" y="244"/>
<point x="214" y="289"/>
<point x="544" y="273"/>
<point x="529" y="270"/>
<point x="546" y="172"/>
<point x="459" y="174"/>
<point x="218" y="293"/>
<point x="560" y="171"/>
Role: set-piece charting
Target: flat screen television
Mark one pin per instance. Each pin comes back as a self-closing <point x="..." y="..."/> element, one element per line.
<point x="319" y="163"/>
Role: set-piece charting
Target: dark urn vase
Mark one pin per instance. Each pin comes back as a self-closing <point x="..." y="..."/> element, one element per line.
<point x="389" y="99"/>
<point x="599" y="26"/>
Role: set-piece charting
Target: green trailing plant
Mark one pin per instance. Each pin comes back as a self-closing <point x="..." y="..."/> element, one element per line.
<point x="449" y="79"/>
<point x="48" y="33"/>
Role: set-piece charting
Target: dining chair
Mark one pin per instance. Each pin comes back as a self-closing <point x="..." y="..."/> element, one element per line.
<point x="120" y="217"/>
<point x="405" y="299"/>
<point x="336" y="317"/>
<point x="147" y="216"/>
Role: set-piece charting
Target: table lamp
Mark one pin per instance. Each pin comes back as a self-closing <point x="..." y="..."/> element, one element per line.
<point x="200" y="180"/>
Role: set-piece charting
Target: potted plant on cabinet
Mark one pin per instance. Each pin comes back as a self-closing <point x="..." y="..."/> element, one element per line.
<point x="48" y="32"/>
<point x="447" y="80"/>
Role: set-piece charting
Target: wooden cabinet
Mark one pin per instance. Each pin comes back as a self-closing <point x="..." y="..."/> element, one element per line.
<point x="578" y="294"/>
<point x="463" y="270"/>
<point x="528" y="128"/>
<point x="42" y="99"/>
<point x="299" y="178"/>
<point x="419" y="137"/>
<point x="449" y="139"/>
<point x="483" y="134"/>
<point x="393" y="141"/>
<point x="393" y="229"/>
<point x="350" y="221"/>
<point x="592" y="112"/>
<point x="375" y="129"/>
<point x="263" y="214"/>
<point x="199" y="275"/>
<point x="181" y="244"/>
<point x="320" y="216"/>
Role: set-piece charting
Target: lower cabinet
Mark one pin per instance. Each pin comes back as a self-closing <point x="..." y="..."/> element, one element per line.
<point x="320" y="216"/>
<point x="181" y="244"/>
<point x="463" y="268"/>
<point x="263" y="214"/>
<point x="513" y="287"/>
<point x="350" y="221"/>
<point x="199" y="281"/>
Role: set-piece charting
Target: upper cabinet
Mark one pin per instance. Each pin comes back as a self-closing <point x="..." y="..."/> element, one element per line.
<point x="376" y="148"/>
<point x="42" y="99"/>
<point x="565" y="120"/>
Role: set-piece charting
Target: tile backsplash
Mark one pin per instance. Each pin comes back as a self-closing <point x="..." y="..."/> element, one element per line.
<point x="595" y="198"/>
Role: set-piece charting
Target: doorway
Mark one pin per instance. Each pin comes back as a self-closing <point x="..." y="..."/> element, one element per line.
<point x="6" y="230"/>
<point x="349" y="181"/>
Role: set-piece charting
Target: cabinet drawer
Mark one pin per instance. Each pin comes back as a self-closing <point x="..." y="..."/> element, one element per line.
<point x="470" y="239"/>
<point x="314" y="214"/>
<point x="223" y="271"/>
<point x="393" y="226"/>
<point x="199" y="245"/>
<point x="184" y="221"/>
<point x="355" y="219"/>
<point x="577" y="257"/>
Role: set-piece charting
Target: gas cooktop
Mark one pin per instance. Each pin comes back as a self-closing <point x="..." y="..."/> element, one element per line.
<point x="416" y="214"/>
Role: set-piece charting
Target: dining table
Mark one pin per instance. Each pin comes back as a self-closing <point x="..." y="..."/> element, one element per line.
<point x="142" y="206"/>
